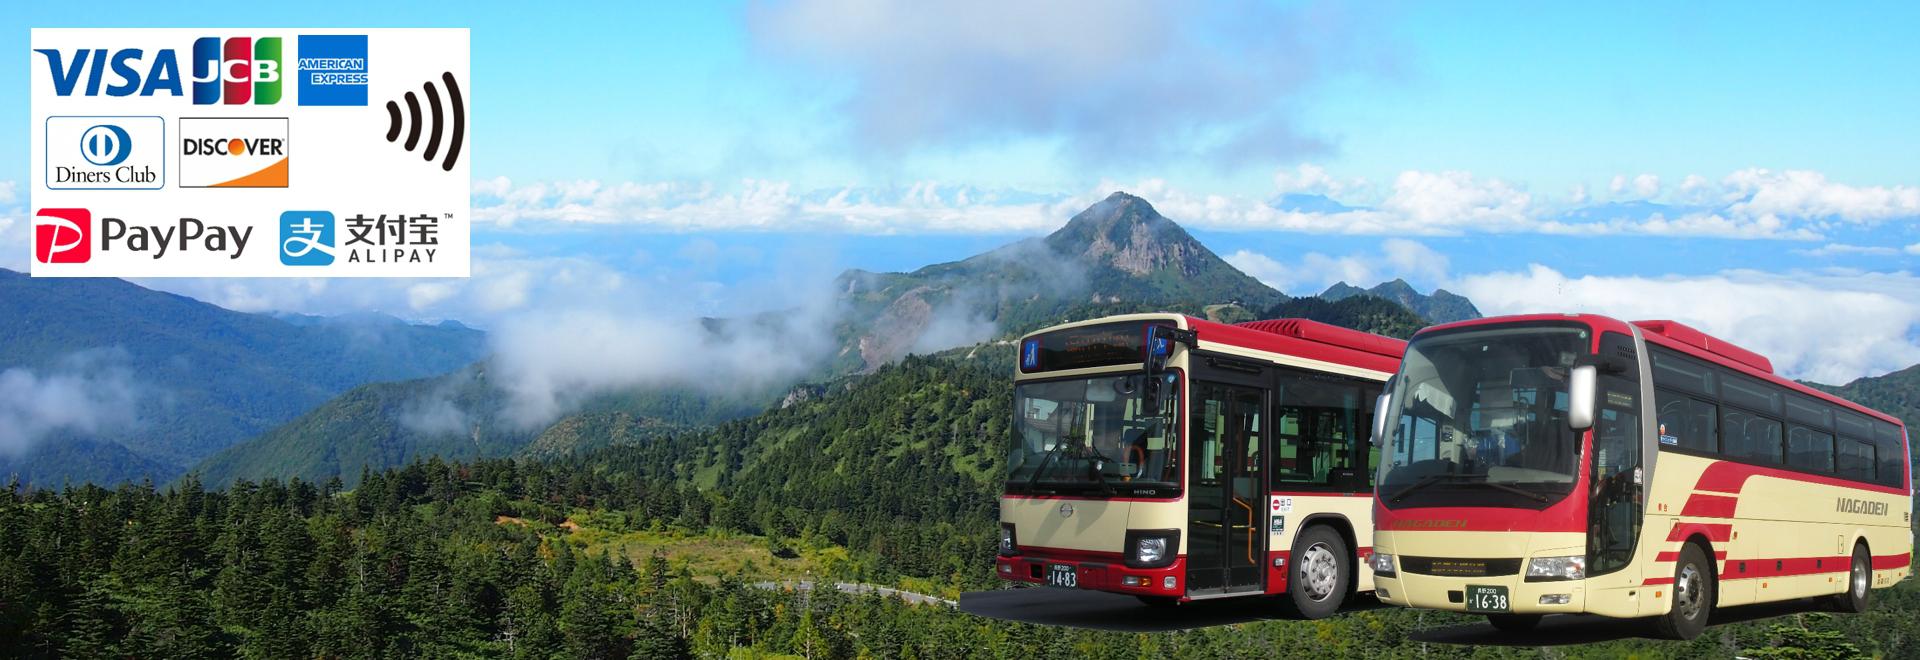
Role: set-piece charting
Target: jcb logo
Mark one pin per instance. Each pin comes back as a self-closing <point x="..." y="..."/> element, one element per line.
<point x="236" y="70"/>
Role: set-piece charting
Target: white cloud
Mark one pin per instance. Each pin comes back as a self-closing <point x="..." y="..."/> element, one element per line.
<point x="84" y="393"/>
<point x="1456" y="200"/>
<point x="1843" y="249"/>
<point x="755" y="205"/>
<point x="1314" y="272"/>
<point x="1644" y="186"/>
<point x="1805" y="194"/>
<point x="1751" y="204"/>
<point x="1312" y="179"/>
<point x="6" y="191"/>
<point x="1827" y="327"/>
<point x="1913" y="249"/>
<point x="1106" y="80"/>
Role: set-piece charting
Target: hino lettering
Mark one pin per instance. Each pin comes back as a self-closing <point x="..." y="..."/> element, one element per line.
<point x="181" y="237"/>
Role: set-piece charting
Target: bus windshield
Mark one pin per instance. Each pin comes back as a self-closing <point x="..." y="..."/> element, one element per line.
<point x="1480" y="419"/>
<point x="1093" y="436"/>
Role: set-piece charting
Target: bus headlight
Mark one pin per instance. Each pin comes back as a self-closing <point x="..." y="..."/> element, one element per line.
<point x="1382" y="564"/>
<point x="1151" y="548"/>
<point x="1007" y="547"/>
<point x="1549" y="569"/>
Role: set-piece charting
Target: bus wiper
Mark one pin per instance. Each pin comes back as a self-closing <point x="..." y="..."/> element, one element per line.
<point x="1517" y="491"/>
<point x="1044" y="461"/>
<point x="1424" y="482"/>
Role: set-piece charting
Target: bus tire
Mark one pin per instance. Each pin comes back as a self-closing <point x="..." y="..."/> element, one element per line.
<point x="1159" y="601"/>
<point x="1318" y="581"/>
<point x="1859" y="582"/>
<point x="1693" y="596"/>
<point x="1514" y="623"/>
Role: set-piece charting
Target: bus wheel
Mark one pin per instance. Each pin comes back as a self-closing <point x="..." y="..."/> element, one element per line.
<point x="1514" y="623"/>
<point x="1693" y="594"/>
<point x="1318" y="582"/>
<point x="1158" y="601"/>
<point x="1858" y="581"/>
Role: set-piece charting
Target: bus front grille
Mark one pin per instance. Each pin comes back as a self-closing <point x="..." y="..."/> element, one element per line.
<point x="1458" y="567"/>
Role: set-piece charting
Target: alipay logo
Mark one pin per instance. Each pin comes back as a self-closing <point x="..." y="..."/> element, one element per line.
<point x="306" y="238"/>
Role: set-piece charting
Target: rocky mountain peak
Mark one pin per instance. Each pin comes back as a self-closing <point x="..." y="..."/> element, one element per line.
<point x="1125" y="232"/>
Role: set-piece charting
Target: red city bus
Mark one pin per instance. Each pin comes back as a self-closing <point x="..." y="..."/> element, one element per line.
<point x="1548" y="464"/>
<point x="1232" y="460"/>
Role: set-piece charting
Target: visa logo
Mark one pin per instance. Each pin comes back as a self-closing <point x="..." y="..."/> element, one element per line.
<point x="231" y="71"/>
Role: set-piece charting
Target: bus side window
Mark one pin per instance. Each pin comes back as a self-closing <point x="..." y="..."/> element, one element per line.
<point x="1686" y="422"/>
<point x="1810" y="450"/>
<point x="1319" y="428"/>
<point x="1856" y="459"/>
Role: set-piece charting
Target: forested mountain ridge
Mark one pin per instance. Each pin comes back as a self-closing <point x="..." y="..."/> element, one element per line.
<point x="1363" y="312"/>
<point x="184" y="379"/>
<point x="457" y="416"/>
<point x="1442" y="306"/>
<point x="1117" y="256"/>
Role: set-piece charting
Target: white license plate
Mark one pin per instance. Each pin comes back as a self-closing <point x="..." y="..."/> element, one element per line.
<point x="1062" y="575"/>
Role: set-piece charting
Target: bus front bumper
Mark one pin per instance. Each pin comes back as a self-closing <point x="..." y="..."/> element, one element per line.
<point x="1451" y="593"/>
<point x="1168" y="581"/>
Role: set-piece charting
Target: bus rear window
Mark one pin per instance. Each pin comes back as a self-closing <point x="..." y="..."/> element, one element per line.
<point x="1892" y="457"/>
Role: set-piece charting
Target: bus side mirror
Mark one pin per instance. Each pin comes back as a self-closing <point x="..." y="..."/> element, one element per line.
<point x="1380" y="418"/>
<point x="1581" y="385"/>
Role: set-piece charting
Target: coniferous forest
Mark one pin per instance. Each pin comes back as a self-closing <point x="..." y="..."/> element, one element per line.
<point x="682" y="547"/>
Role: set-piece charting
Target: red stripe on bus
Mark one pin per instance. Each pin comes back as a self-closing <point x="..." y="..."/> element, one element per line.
<point x="1715" y="532"/>
<point x="1731" y="477"/>
<point x="1032" y="552"/>
<point x="1083" y="498"/>
<point x="1783" y="567"/>
<point x="1747" y="569"/>
<point x="1718" y="555"/>
<point x="1710" y="506"/>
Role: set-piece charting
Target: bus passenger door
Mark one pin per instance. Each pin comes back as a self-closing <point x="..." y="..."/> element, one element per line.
<point x="1225" y="487"/>
<point x="1616" y="479"/>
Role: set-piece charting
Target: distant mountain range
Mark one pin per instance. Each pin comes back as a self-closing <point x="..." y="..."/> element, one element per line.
<point x="323" y="407"/>
<point x="1442" y="307"/>
<point x="187" y="378"/>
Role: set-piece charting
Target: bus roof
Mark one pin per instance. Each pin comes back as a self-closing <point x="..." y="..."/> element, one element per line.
<point x="1694" y="343"/>
<point x="1307" y="339"/>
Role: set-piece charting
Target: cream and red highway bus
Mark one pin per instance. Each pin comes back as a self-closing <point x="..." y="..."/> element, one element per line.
<point x="1227" y="460"/>
<point x="1545" y="464"/>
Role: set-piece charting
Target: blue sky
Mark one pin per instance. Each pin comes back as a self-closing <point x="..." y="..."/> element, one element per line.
<point x="1518" y="153"/>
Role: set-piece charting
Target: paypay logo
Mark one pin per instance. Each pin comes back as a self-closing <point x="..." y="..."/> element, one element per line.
<point x="62" y="236"/>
